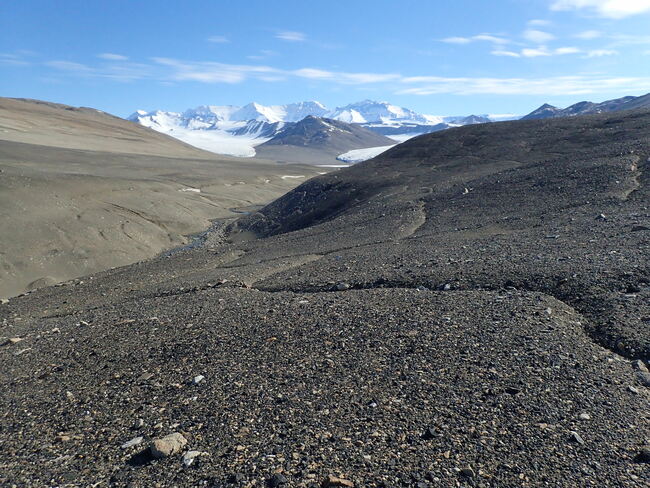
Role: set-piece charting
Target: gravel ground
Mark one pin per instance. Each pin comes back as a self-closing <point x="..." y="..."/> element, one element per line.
<point x="469" y="309"/>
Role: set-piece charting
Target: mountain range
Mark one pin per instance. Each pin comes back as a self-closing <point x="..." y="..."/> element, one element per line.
<point x="547" y="111"/>
<point x="237" y="130"/>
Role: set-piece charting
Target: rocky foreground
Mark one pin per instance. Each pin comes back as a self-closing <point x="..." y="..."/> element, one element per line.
<point x="471" y="308"/>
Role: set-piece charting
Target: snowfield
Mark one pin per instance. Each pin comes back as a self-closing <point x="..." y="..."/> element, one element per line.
<point x="358" y="155"/>
<point x="217" y="141"/>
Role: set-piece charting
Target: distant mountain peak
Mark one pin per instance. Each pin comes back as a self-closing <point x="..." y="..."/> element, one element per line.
<point x="585" y="107"/>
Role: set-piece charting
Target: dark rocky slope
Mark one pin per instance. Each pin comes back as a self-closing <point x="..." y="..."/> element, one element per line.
<point x="589" y="108"/>
<point x="464" y="310"/>
<point x="317" y="140"/>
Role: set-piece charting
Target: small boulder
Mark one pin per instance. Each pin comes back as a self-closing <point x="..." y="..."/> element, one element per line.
<point x="168" y="445"/>
<point x="332" y="480"/>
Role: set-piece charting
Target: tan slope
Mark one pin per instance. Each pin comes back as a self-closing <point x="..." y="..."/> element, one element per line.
<point x="57" y="125"/>
<point x="82" y="191"/>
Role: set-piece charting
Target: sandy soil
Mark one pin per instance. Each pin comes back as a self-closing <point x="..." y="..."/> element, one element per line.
<point x="83" y="191"/>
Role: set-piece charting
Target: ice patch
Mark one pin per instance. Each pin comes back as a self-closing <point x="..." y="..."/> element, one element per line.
<point x="358" y="155"/>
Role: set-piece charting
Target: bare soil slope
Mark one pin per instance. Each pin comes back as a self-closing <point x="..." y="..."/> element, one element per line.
<point x="82" y="191"/>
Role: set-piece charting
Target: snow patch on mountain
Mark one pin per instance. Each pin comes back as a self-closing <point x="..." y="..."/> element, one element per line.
<point x="358" y="155"/>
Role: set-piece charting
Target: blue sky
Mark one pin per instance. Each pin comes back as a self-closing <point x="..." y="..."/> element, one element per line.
<point x="436" y="57"/>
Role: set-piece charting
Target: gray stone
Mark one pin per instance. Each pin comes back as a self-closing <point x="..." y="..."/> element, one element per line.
<point x="190" y="456"/>
<point x="644" y="378"/>
<point x="639" y="365"/>
<point x="133" y="442"/>
<point x="467" y="472"/>
<point x="575" y="437"/>
<point x="168" y="445"/>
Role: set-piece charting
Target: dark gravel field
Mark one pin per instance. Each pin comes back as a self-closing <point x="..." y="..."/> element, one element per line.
<point x="471" y="308"/>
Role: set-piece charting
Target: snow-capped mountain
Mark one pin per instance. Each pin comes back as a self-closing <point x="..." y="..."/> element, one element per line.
<point x="234" y="130"/>
<point x="369" y="111"/>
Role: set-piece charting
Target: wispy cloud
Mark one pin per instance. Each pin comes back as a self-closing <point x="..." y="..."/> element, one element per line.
<point x="112" y="57"/>
<point x="69" y="66"/>
<point x="541" y="51"/>
<point x="614" y="9"/>
<point x="346" y="78"/>
<point x="480" y="37"/>
<point x="552" y="86"/>
<point x="292" y="36"/>
<point x="502" y="52"/>
<point x="218" y="39"/>
<point x="263" y="54"/>
<point x="13" y="60"/>
<point x="165" y="70"/>
<point x="539" y="23"/>
<point x="598" y="53"/>
<point x="210" y="72"/>
<point x="117" y="71"/>
<point x="589" y="34"/>
<point x="538" y="36"/>
<point x="544" y="51"/>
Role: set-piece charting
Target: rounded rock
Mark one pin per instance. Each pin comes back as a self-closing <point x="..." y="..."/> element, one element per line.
<point x="168" y="445"/>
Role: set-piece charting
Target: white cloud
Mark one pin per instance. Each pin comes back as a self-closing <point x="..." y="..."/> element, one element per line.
<point x="589" y="34"/>
<point x="614" y="9"/>
<point x="490" y="38"/>
<point x="535" y="53"/>
<point x="118" y="71"/>
<point x="112" y="57"/>
<point x="566" y="50"/>
<point x="499" y="52"/>
<point x="537" y="36"/>
<point x="165" y="70"/>
<point x="209" y="72"/>
<point x="544" y="51"/>
<point x="218" y="39"/>
<point x="457" y="40"/>
<point x="69" y="66"/>
<point x="552" y="86"/>
<point x="13" y="60"/>
<point x="630" y="40"/>
<point x="291" y="36"/>
<point x="539" y="22"/>
<point x="479" y="37"/>
<point x="597" y="53"/>
<point x="346" y="78"/>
